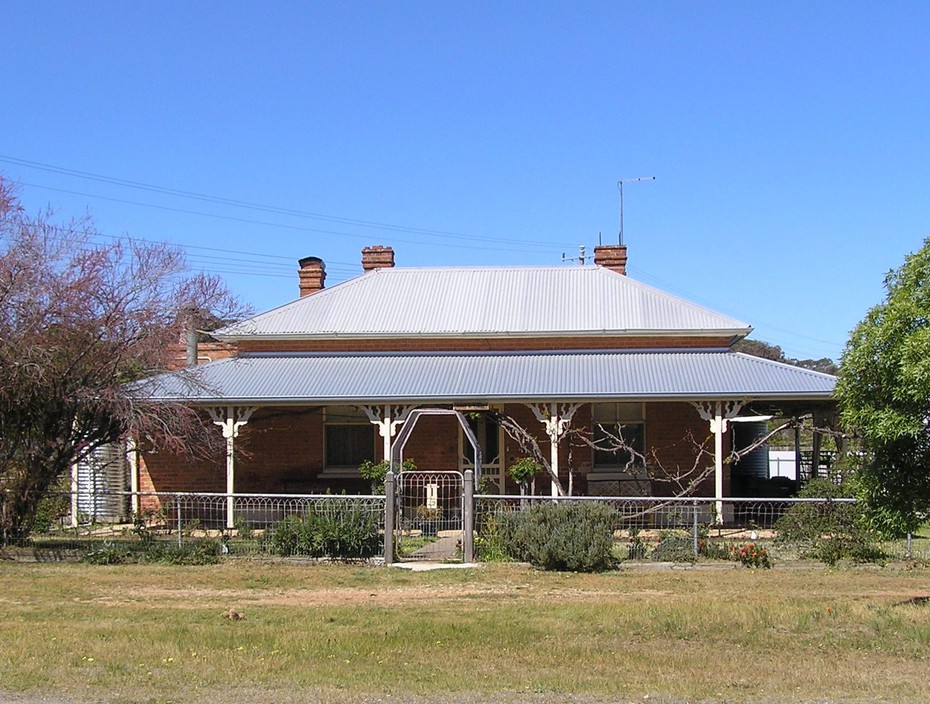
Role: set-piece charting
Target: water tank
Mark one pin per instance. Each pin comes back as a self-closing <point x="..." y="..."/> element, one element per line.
<point x="754" y="465"/>
<point x="101" y="479"/>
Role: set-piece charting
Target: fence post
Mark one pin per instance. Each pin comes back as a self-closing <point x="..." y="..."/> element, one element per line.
<point x="389" y="518"/>
<point x="695" y="528"/>
<point x="908" y="550"/>
<point x="177" y="500"/>
<point x="468" y="517"/>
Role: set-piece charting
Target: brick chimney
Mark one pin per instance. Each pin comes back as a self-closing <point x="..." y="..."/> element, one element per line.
<point x="377" y="257"/>
<point x="312" y="273"/>
<point x="611" y="256"/>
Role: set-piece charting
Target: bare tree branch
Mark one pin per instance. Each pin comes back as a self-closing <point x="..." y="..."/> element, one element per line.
<point x="78" y="320"/>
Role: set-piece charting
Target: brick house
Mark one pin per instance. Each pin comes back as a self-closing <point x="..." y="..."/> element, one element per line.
<point x="571" y="354"/>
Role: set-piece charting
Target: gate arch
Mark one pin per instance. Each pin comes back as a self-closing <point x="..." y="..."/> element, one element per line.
<point x="401" y="483"/>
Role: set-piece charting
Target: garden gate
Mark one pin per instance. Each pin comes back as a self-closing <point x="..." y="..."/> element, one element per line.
<point x="429" y="515"/>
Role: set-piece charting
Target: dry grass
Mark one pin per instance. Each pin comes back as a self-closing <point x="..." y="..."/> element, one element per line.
<point x="331" y="633"/>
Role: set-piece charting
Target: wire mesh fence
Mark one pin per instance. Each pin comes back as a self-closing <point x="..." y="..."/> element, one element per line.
<point x="352" y="526"/>
<point x="312" y="525"/>
<point x="791" y="528"/>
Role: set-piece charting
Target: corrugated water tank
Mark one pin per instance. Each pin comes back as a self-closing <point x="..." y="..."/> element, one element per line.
<point x="754" y="465"/>
<point x="101" y="480"/>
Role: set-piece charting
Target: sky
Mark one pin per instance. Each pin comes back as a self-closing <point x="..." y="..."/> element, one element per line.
<point x="789" y="141"/>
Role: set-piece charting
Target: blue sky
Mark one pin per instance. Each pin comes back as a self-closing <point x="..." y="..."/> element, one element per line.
<point x="790" y="141"/>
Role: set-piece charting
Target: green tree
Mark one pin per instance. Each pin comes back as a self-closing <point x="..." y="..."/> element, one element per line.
<point x="884" y="393"/>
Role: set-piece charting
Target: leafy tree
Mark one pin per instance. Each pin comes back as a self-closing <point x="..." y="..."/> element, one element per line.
<point x="78" y="320"/>
<point x="884" y="393"/>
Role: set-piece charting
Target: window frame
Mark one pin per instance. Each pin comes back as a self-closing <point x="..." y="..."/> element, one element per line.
<point x="342" y="417"/>
<point x="622" y="415"/>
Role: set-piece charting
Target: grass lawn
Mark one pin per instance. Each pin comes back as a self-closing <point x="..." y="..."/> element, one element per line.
<point x="145" y="633"/>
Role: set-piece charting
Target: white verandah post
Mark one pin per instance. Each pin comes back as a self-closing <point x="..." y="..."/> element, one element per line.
<point x="75" y="507"/>
<point x="718" y="416"/>
<point x="132" y="457"/>
<point x="230" y="419"/>
<point x="556" y="422"/>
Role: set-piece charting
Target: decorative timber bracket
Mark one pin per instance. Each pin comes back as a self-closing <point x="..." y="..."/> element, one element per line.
<point x="387" y="419"/>
<point x="230" y="419"/>
<point x="556" y="418"/>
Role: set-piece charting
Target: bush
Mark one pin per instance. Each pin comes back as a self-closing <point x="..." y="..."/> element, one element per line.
<point x="674" y="547"/>
<point x="202" y="551"/>
<point x="110" y="553"/>
<point x="349" y="531"/>
<point x="714" y="550"/>
<point x="523" y="470"/>
<point x="636" y="548"/>
<point x="52" y="508"/>
<point x="828" y="531"/>
<point x="751" y="555"/>
<point x="375" y="472"/>
<point x="496" y="536"/>
<point x="569" y="535"/>
<point x="119" y="552"/>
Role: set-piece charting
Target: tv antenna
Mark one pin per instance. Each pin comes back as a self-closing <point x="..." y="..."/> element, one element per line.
<point x="580" y="258"/>
<point x="620" y="186"/>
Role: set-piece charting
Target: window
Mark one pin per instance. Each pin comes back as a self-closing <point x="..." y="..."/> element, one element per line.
<point x="618" y="420"/>
<point x="349" y="439"/>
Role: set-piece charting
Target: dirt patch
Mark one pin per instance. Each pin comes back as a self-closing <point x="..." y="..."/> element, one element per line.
<point x="163" y="597"/>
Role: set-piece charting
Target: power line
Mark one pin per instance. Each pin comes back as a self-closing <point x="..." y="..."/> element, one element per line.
<point x="263" y="223"/>
<point x="219" y="200"/>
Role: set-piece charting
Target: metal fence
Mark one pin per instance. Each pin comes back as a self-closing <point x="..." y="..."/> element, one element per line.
<point x="238" y="524"/>
<point x="648" y="520"/>
<point x="246" y="524"/>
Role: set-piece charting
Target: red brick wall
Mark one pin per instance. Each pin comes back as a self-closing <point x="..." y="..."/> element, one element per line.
<point x="434" y="443"/>
<point x="281" y="451"/>
<point x="667" y="426"/>
<point x="278" y="451"/>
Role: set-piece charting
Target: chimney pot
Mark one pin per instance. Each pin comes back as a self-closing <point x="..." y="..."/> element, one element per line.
<point x="312" y="275"/>
<point x="611" y="256"/>
<point x="377" y="257"/>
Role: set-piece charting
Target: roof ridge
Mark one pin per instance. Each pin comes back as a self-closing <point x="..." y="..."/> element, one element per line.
<point x="763" y="360"/>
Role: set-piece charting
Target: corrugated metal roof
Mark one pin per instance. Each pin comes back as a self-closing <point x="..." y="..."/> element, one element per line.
<point x="456" y="377"/>
<point x="486" y="301"/>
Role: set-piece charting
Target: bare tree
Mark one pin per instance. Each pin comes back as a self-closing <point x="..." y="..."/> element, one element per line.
<point x="529" y="445"/>
<point x="78" y="321"/>
<point x="647" y="467"/>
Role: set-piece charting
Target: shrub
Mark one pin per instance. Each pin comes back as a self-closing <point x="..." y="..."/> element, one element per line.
<point x="52" y="508"/>
<point x="523" y="470"/>
<point x="568" y="535"/>
<point x="636" y="548"/>
<point x="674" y="547"/>
<point x="714" y="550"/>
<point x="495" y="540"/>
<point x="109" y="553"/>
<point x="751" y="555"/>
<point x="828" y="531"/>
<point x="349" y="531"/>
<point x="201" y="551"/>
<point x="375" y="472"/>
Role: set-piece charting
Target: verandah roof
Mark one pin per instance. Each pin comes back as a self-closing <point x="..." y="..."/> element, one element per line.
<point x="276" y="379"/>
